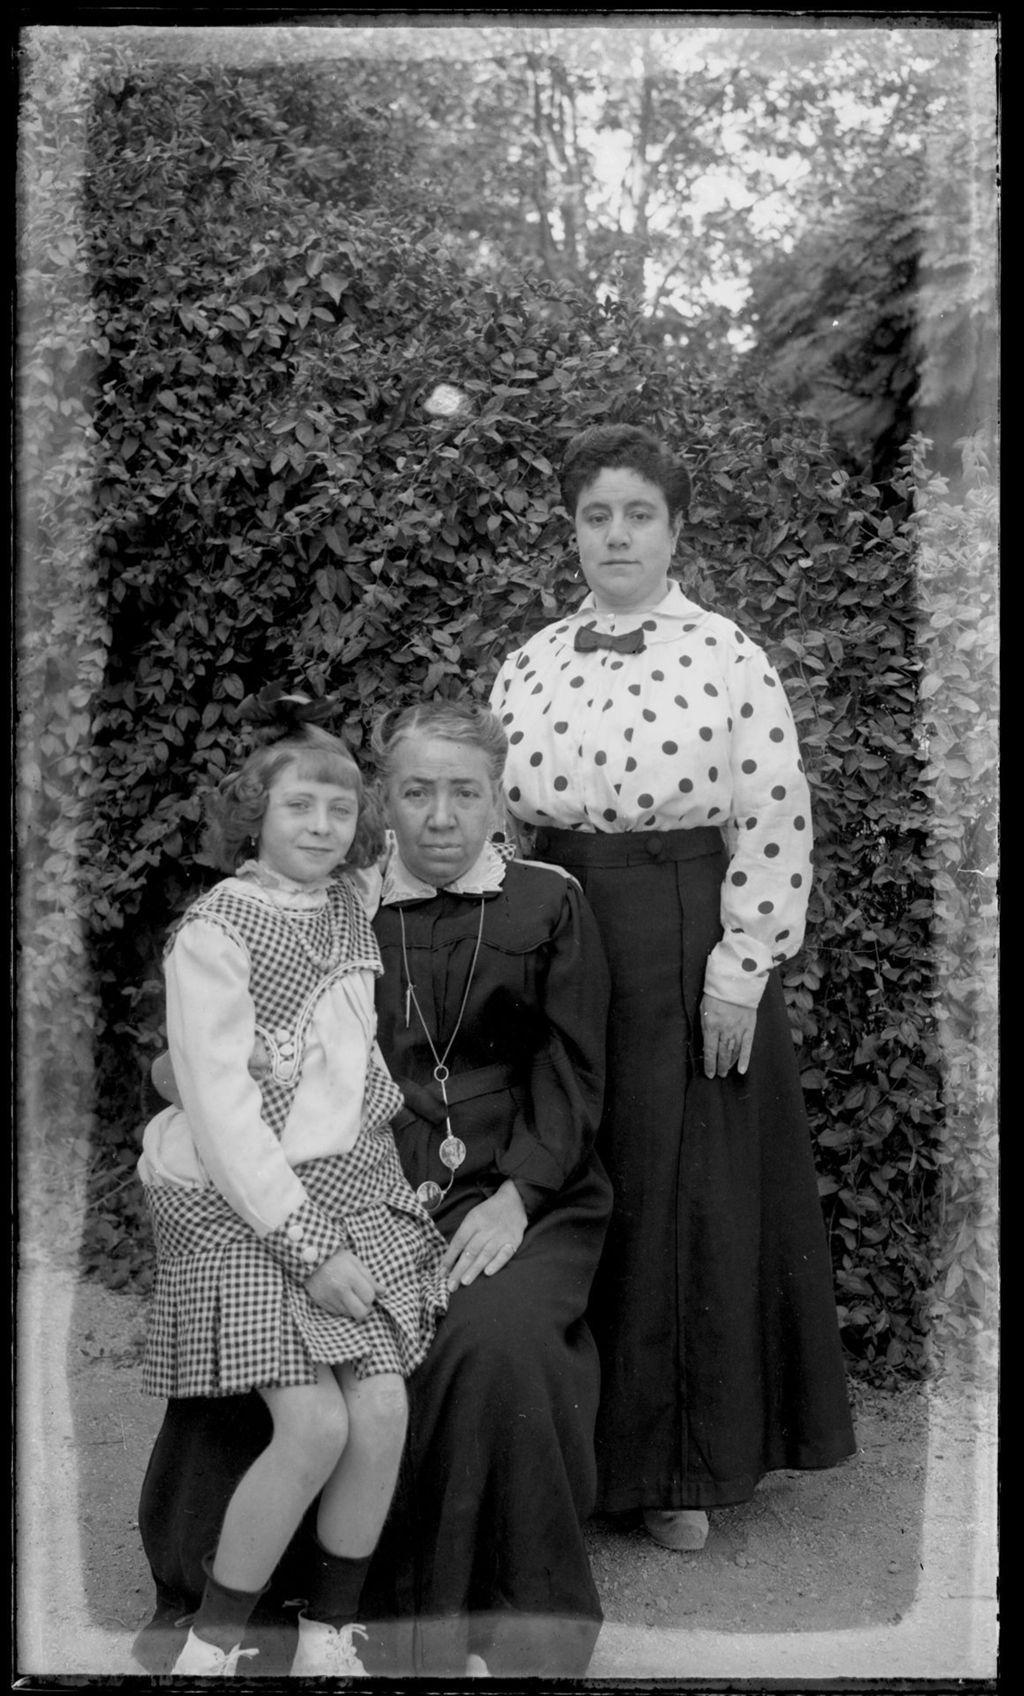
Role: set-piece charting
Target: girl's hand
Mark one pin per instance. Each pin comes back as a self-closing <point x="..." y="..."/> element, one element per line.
<point x="728" y="1032"/>
<point x="488" y="1236"/>
<point x="343" y="1286"/>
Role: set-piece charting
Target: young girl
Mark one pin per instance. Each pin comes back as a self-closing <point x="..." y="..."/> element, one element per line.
<point x="292" y="1255"/>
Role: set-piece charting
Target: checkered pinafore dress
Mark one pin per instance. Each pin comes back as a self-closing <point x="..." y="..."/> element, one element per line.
<point x="225" y="1315"/>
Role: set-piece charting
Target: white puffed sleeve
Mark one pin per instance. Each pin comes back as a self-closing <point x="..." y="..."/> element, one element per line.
<point x="211" y="1029"/>
<point x="764" y="895"/>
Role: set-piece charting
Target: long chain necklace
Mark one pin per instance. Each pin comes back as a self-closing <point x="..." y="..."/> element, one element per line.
<point x="453" y="1149"/>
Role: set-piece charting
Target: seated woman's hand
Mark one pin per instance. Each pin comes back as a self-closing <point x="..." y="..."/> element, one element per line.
<point x="343" y="1286"/>
<point x="488" y="1236"/>
<point x="728" y="1032"/>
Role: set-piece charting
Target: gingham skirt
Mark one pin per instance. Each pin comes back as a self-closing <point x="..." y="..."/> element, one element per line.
<point x="225" y="1317"/>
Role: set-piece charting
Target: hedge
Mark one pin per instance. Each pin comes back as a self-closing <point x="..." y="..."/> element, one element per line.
<point x="228" y="476"/>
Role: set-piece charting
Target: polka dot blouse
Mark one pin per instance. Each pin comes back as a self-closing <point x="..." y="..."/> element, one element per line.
<point x="696" y="730"/>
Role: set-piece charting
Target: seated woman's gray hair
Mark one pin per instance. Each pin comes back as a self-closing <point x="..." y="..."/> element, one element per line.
<point x="456" y="721"/>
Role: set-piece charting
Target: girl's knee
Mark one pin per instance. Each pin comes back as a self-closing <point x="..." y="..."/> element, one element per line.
<point x="379" y="1411"/>
<point x="313" y="1425"/>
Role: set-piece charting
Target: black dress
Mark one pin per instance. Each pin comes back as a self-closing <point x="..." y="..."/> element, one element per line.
<point x="483" y="1549"/>
<point x="713" y="1307"/>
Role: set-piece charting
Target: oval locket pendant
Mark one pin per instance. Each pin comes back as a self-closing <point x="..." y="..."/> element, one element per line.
<point x="429" y="1195"/>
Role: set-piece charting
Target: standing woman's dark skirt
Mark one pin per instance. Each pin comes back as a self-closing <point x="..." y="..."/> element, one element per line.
<point x="713" y="1307"/>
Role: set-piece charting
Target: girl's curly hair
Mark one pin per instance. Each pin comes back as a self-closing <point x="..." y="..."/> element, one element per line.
<point x="234" y="809"/>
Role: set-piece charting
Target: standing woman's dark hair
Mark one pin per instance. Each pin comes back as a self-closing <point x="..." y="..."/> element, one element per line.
<point x="627" y="447"/>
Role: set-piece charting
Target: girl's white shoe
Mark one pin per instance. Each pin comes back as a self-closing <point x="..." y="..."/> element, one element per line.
<point x="199" y="1659"/>
<point x="476" y="1667"/>
<point x="327" y="1650"/>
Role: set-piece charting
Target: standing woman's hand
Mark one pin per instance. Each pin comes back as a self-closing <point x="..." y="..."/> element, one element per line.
<point x="728" y="1033"/>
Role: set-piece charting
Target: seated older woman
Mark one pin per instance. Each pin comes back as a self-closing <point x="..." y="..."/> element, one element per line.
<point x="491" y="1014"/>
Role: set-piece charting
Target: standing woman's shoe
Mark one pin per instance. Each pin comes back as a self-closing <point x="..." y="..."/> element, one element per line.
<point x="677" y="1528"/>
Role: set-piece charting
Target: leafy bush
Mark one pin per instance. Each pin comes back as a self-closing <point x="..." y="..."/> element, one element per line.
<point x="956" y="545"/>
<point x="229" y="476"/>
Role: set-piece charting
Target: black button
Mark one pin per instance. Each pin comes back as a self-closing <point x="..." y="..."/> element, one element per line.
<point x="654" y="844"/>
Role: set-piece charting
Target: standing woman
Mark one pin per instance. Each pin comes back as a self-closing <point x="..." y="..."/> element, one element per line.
<point x="653" y="750"/>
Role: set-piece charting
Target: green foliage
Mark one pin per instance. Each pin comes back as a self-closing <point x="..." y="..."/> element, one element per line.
<point x="956" y="545"/>
<point x="879" y="315"/>
<point x="230" y="477"/>
<point x="843" y="343"/>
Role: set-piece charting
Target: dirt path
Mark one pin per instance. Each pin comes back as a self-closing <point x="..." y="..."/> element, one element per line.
<point x="883" y="1567"/>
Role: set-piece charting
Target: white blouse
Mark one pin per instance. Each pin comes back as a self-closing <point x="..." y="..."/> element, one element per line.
<point x="696" y="730"/>
<point x="218" y="1134"/>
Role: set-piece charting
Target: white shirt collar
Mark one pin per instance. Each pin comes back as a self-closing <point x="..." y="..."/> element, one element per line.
<point x="673" y="604"/>
<point x="484" y="877"/>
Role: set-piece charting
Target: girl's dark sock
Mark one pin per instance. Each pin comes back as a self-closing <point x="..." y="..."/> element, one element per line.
<point x="223" y="1614"/>
<point x="335" y="1584"/>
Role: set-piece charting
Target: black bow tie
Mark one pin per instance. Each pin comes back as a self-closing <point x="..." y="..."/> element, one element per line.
<point x="587" y="639"/>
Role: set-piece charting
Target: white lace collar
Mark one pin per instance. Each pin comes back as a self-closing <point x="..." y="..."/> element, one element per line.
<point x="484" y="877"/>
<point x="279" y="886"/>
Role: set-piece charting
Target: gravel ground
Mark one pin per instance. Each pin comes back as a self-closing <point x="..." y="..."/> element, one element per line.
<point x="882" y="1568"/>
